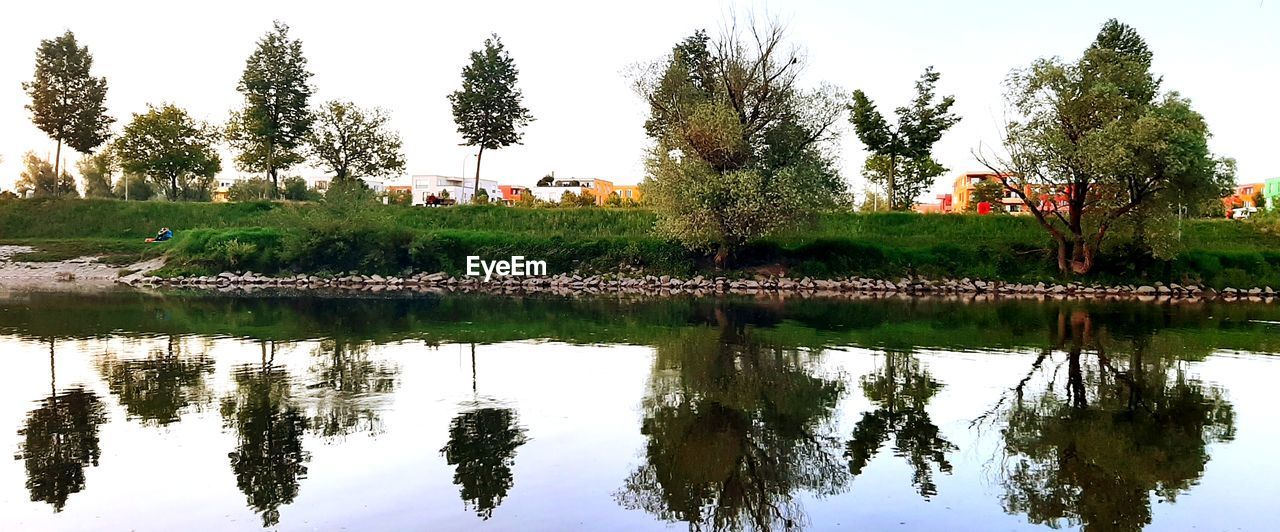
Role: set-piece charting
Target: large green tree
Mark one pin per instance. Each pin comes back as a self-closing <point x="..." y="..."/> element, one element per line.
<point x="353" y="142"/>
<point x="1094" y="141"/>
<point x="276" y="118"/>
<point x="96" y="171"/>
<point x="67" y="102"/>
<point x="901" y="155"/>
<point x="173" y="150"/>
<point x="489" y="108"/>
<point x="38" y="180"/>
<point x="740" y="151"/>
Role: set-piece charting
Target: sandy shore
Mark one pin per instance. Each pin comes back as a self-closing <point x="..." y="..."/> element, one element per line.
<point x="82" y="272"/>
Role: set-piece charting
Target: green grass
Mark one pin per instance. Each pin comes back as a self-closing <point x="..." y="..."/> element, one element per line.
<point x="280" y="237"/>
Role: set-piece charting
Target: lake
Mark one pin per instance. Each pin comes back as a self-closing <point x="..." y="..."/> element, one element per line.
<point x="124" y="410"/>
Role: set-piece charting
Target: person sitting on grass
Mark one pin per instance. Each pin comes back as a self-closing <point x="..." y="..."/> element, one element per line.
<point x="164" y="234"/>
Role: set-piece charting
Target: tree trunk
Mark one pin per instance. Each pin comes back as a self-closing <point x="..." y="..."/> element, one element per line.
<point x="271" y="169"/>
<point x="722" y="256"/>
<point x="893" y="166"/>
<point x="57" y="166"/>
<point x="476" y="191"/>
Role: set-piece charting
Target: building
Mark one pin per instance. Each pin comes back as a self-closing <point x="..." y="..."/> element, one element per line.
<point x="1046" y="197"/>
<point x="597" y="188"/>
<point x="1241" y="203"/>
<point x="628" y="193"/>
<point x="458" y="189"/>
<point x="943" y="206"/>
<point x="1271" y="189"/>
<point x="512" y="194"/>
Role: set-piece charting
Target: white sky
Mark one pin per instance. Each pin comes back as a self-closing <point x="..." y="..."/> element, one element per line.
<point x="572" y="56"/>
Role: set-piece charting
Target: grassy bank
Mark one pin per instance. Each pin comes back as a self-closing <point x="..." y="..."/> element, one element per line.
<point x="279" y="238"/>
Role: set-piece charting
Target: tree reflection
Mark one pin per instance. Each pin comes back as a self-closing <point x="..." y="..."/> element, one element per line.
<point x="1121" y="428"/>
<point x="59" y="440"/>
<point x="346" y="387"/>
<point x="901" y="389"/>
<point x="160" y="388"/>
<point x="482" y="445"/>
<point x="735" y="428"/>
<point x="268" y="460"/>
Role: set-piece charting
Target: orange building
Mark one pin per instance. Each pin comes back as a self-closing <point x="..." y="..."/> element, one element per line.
<point x="628" y="193"/>
<point x="512" y="194"/>
<point x="1243" y="197"/>
<point x="966" y="183"/>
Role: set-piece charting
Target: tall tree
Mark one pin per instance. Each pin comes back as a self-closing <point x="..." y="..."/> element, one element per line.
<point x="39" y="180"/>
<point x="173" y="150"/>
<point x="741" y="150"/>
<point x="489" y="108"/>
<point x="96" y="171"/>
<point x="902" y="157"/>
<point x="353" y="142"/>
<point x="1093" y="141"/>
<point x="67" y="102"/>
<point x="276" y="118"/>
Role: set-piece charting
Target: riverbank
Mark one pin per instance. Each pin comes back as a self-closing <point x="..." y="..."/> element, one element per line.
<point x="327" y="241"/>
<point x="566" y="284"/>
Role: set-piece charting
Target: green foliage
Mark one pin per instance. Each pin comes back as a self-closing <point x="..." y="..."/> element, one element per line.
<point x="987" y="190"/>
<point x="901" y="159"/>
<point x="276" y="118"/>
<point x="489" y="108"/>
<point x="576" y="199"/>
<point x="176" y="152"/>
<point x="133" y="187"/>
<point x="67" y="102"/>
<point x="37" y="180"/>
<point x="252" y="189"/>
<point x="481" y="197"/>
<point x="348" y="192"/>
<point x="1099" y="131"/>
<point x="352" y="142"/>
<point x="96" y="171"/>
<point x="741" y="151"/>
<point x="296" y="189"/>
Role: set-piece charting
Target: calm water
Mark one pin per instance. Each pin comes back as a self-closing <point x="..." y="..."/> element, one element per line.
<point x="128" y="411"/>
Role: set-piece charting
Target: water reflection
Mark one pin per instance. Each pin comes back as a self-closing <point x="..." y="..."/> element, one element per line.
<point x="268" y="460"/>
<point x="346" y="388"/>
<point x="1128" y="422"/>
<point x="59" y="439"/>
<point x="482" y="447"/>
<point x="900" y="389"/>
<point x="736" y="428"/>
<point x="158" y="389"/>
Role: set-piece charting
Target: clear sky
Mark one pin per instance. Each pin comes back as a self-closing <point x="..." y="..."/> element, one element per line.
<point x="573" y="56"/>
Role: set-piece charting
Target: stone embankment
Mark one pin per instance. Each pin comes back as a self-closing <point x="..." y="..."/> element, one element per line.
<point x="760" y="285"/>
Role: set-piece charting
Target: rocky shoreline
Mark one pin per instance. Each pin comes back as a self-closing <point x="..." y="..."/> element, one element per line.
<point x="660" y="285"/>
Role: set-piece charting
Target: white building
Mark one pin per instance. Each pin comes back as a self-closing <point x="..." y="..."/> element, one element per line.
<point x="460" y="189"/>
<point x="558" y="187"/>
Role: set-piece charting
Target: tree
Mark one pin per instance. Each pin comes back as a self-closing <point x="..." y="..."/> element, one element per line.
<point x="903" y="152"/>
<point x="158" y="389"/>
<point x="489" y="109"/>
<point x="296" y="189"/>
<point x="276" y="118"/>
<point x="173" y="150"/>
<point x="269" y="459"/>
<point x="1093" y="141"/>
<point x="738" y="430"/>
<point x="546" y="180"/>
<point x="37" y="180"/>
<point x="134" y="187"/>
<point x="573" y="199"/>
<point x="482" y="446"/>
<point x="740" y="150"/>
<point x="252" y="189"/>
<point x="900" y="391"/>
<point x="67" y="102"/>
<point x="96" y="171"/>
<point x="352" y="142"/>
<point x="989" y="191"/>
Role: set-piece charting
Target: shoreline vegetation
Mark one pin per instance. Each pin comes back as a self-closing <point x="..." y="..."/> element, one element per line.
<point x="356" y="246"/>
